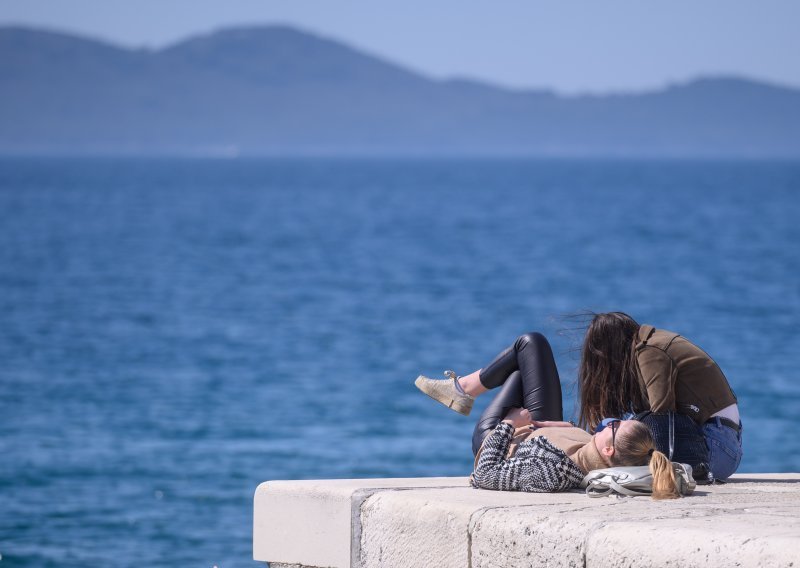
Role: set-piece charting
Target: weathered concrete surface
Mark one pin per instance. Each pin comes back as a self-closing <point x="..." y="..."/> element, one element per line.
<point x="744" y="523"/>
<point x="312" y="523"/>
<point x="752" y="521"/>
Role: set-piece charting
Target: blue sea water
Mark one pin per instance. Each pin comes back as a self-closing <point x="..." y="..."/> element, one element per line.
<point x="176" y="331"/>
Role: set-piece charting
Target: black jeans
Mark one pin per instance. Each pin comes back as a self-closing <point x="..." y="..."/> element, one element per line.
<point x="527" y="372"/>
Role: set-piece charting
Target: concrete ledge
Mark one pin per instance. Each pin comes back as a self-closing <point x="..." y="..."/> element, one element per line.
<point x="317" y="523"/>
<point x="752" y="521"/>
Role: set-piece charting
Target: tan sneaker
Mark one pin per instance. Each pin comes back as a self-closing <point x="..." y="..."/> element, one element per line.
<point x="445" y="391"/>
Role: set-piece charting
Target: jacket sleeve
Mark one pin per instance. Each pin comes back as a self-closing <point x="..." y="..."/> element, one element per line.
<point x="659" y="373"/>
<point x="538" y="466"/>
<point x="493" y="470"/>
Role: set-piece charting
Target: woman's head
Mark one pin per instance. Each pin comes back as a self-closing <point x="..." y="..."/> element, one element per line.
<point x="625" y="442"/>
<point x="630" y="443"/>
<point x="607" y="377"/>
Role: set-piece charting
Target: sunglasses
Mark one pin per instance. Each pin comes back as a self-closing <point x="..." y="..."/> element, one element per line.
<point x="614" y="427"/>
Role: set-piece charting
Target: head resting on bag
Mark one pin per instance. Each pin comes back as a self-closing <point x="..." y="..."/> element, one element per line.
<point x="634" y="446"/>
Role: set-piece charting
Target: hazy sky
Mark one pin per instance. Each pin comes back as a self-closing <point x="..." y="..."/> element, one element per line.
<point x="571" y="46"/>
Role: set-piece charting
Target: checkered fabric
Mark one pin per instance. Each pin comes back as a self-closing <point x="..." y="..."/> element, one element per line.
<point x="537" y="466"/>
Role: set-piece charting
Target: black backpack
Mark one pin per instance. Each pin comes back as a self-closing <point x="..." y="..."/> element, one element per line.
<point x="681" y="439"/>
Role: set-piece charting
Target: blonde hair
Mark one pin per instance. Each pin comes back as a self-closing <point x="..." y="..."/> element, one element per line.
<point x="665" y="486"/>
<point x="635" y="446"/>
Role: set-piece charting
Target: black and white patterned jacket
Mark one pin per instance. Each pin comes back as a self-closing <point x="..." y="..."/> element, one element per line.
<point x="537" y="465"/>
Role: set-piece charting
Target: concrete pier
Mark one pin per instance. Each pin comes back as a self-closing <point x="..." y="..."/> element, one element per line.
<point x="754" y="520"/>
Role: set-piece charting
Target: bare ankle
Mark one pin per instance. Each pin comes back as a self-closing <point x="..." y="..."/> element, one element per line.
<point x="471" y="384"/>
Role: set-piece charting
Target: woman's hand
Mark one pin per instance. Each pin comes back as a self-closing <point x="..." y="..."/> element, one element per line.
<point x="518" y="417"/>
<point x="551" y="424"/>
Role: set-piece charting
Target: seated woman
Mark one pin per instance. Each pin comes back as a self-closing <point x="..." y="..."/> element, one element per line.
<point x="627" y="368"/>
<point x="520" y="442"/>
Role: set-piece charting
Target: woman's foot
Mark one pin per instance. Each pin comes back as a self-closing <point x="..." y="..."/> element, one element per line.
<point x="447" y="392"/>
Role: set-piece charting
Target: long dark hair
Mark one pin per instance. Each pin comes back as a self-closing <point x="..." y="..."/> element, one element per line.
<point x="607" y="379"/>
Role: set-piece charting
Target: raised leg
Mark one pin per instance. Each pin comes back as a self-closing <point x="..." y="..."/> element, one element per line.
<point x="529" y="378"/>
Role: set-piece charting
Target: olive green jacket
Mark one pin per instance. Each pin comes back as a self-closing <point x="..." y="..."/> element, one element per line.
<point x="678" y="375"/>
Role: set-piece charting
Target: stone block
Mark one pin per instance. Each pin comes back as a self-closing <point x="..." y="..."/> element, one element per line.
<point x="312" y="522"/>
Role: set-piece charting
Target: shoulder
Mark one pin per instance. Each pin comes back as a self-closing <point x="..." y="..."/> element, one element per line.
<point x="653" y="337"/>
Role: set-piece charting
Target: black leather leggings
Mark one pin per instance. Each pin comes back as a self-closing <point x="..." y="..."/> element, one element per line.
<point x="527" y="371"/>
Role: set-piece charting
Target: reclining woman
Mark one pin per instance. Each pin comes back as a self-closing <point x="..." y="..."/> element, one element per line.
<point x="521" y="442"/>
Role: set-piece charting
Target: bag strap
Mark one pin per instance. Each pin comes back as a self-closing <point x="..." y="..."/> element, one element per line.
<point x="627" y="490"/>
<point x="600" y="489"/>
<point x="671" y="434"/>
<point x="595" y="489"/>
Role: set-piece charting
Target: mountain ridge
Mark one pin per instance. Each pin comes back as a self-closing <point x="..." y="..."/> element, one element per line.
<point x="277" y="89"/>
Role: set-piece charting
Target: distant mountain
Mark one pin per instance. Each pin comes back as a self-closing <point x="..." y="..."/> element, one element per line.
<point x="276" y="90"/>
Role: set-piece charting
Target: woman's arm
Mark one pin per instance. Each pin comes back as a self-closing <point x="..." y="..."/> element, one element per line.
<point x="552" y="424"/>
<point x="493" y="470"/>
<point x="538" y="466"/>
<point x="659" y="373"/>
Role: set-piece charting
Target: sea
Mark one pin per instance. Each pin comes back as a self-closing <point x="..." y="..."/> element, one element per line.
<point x="175" y="331"/>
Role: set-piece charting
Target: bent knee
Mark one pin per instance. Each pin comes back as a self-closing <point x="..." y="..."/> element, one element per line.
<point x="532" y="338"/>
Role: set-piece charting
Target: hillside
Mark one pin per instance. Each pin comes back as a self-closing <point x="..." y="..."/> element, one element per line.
<point x="277" y="90"/>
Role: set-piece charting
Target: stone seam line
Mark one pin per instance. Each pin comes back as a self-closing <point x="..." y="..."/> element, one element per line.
<point x="477" y="515"/>
<point x="475" y="519"/>
<point x="360" y="497"/>
<point x="585" y="542"/>
<point x="357" y="501"/>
